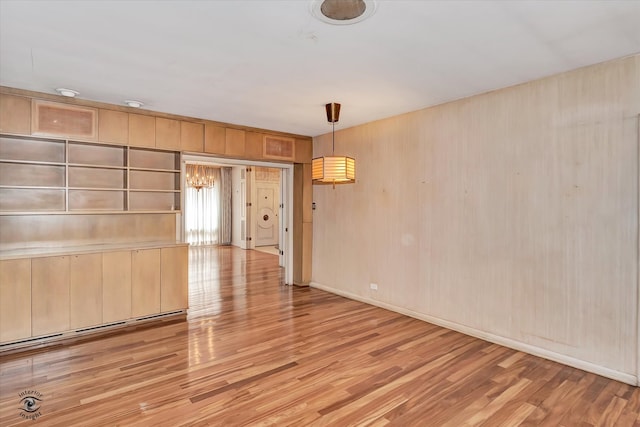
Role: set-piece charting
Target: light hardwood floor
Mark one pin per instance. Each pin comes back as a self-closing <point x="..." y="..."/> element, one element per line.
<point x="256" y="352"/>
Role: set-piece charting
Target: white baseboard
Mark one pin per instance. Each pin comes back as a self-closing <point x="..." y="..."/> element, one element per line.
<point x="507" y="342"/>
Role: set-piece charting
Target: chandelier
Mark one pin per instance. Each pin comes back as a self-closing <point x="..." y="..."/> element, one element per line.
<point x="333" y="169"/>
<point x="199" y="176"/>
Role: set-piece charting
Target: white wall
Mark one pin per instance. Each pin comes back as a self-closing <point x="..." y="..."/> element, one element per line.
<point x="511" y="215"/>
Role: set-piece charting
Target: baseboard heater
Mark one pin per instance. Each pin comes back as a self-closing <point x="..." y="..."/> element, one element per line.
<point x="57" y="338"/>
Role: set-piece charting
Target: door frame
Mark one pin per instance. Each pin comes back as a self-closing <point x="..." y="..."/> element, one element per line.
<point x="286" y="198"/>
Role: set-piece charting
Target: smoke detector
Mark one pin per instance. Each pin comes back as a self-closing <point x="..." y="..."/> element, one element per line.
<point x="342" y="12"/>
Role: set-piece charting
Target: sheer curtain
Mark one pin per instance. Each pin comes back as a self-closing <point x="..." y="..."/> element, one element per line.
<point x="202" y="212"/>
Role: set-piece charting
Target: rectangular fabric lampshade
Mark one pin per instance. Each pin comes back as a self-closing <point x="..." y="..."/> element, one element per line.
<point x="333" y="170"/>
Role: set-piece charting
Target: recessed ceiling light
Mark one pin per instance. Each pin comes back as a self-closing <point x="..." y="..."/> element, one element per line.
<point x="342" y="12"/>
<point x="67" y="92"/>
<point x="134" y="104"/>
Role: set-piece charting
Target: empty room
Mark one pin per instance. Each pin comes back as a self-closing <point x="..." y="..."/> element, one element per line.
<point x="319" y="213"/>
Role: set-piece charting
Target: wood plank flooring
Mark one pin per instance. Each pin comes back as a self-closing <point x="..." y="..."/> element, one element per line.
<point x="254" y="352"/>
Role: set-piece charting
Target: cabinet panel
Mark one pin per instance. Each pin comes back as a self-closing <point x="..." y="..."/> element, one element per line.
<point x="56" y="119"/>
<point x="15" y="299"/>
<point x="253" y="145"/>
<point x="214" y="139"/>
<point x="234" y="142"/>
<point x="15" y="114"/>
<point x="142" y="130"/>
<point x="303" y="151"/>
<point x="145" y="282"/>
<point x="279" y="147"/>
<point x="174" y="293"/>
<point x="85" y="294"/>
<point x="192" y="137"/>
<point x="116" y="286"/>
<point x="113" y="126"/>
<point x="50" y="295"/>
<point x="167" y="134"/>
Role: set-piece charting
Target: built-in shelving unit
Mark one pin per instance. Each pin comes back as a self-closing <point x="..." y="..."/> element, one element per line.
<point x="40" y="175"/>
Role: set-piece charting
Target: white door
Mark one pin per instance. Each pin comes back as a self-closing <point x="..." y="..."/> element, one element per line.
<point x="267" y="212"/>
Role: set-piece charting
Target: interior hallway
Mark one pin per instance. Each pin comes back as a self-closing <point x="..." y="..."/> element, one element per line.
<point x="256" y="352"/>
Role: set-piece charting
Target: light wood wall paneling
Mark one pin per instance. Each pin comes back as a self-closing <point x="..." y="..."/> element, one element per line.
<point x="512" y="214"/>
<point x="85" y="278"/>
<point x="15" y="114"/>
<point x="234" y="142"/>
<point x="168" y="134"/>
<point x="116" y="286"/>
<point x="142" y="130"/>
<point x="214" y="139"/>
<point x="145" y="282"/>
<point x="49" y="295"/>
<point x="113" y="126"/>
<point x="174" y="276"/>
<point x="192" y="137"/>
<point x="32" y="231"/>
<point x="15" y="299"/>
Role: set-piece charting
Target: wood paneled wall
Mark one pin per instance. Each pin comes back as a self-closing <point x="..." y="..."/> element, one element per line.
<point x="50" y="231"/>
<point x="511" y="215"/>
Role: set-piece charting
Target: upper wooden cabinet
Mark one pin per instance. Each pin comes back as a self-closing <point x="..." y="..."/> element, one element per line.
<point x="56" y="119"/>
<point x="167" y="134"/>
<point x="253" y="145"/>
<point x="15" y="114"/>
<point x="192" y="137"/>
<point x="214" y="139"/>
<point x="304" y="151"/>
<point x="113" y="126"/>
<point x="142" y="130"/>
<point x="234" y="142"/>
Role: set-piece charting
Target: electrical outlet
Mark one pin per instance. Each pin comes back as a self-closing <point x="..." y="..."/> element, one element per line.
<point x="373" y="286"/>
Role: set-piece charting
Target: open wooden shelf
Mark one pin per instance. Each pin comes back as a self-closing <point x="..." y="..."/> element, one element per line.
<point x="56" y="175"/>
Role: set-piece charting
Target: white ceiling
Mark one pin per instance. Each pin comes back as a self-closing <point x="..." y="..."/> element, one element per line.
<point x="271" y="64"/>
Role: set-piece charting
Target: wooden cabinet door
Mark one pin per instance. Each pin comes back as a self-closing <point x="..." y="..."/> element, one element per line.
<point x="234" y="142"/>
<point x="214" y="139"/>
<point x="85" y="298"/>
<point x="15" y="299"/>
<point x="145" y="282"/>
<point x="116" y="286"/>
<point x="174" y="276"/>
<point x="49" y="295"/>
<point x="167" y="134"/>
<point x="142" y="130"/>
<point x="113" y="126"/>
<point x="15" y="114"/>
<point x="192" y="137"/>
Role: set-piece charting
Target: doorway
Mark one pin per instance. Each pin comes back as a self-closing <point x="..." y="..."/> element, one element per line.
<point x="262" y="208"/>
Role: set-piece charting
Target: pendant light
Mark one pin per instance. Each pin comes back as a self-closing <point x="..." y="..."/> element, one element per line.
<point x="333" y="169"/>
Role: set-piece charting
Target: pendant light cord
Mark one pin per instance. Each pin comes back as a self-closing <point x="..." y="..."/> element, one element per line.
<point x="333" y="150"/>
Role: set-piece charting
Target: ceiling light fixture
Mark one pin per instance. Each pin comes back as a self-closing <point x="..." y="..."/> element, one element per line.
<point x="70" y="93"/>
<point x="333" y="169"/>
<point x="134" y="104"/>
<point x="342" y="12"/>
<point x="199" y="176"/>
